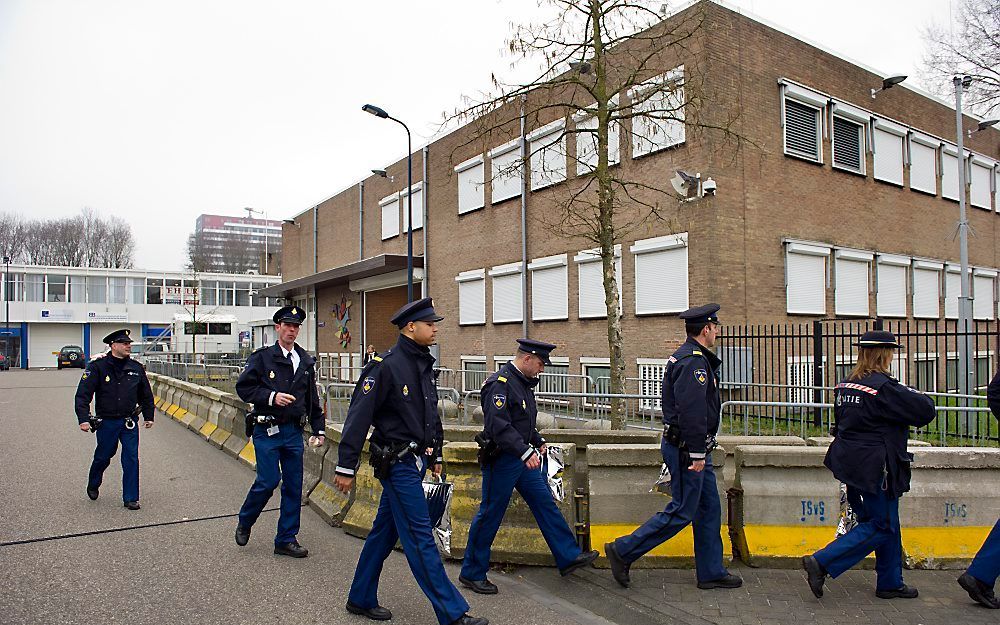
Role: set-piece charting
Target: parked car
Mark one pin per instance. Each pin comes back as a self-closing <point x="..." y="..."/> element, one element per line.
<point x="4" y="363"/>
<point x="71" y="356"/>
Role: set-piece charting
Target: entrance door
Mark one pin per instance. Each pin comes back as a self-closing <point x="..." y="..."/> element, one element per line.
<point x="11" y="347"/>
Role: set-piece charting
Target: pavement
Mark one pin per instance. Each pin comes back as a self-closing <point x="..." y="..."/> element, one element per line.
<point x="170" y="563"/>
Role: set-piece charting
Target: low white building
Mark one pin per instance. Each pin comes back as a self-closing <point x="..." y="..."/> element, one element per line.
<point x="46" y="308"/>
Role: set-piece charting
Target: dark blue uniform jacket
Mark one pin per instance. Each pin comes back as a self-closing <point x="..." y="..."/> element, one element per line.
<point x="397" y="393"/>
<point x="268" y="371"/>
<point x="690" y="395"/>
<point x="873" y="416"/>
<point x="119" y="387"/>
<point x="509" y="411"/>
<point x="993" y="395"/>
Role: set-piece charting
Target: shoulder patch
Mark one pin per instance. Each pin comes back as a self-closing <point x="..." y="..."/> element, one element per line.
<point x="499" y="401"/>
<point x="368" y="385"/>
<point x="86" y="374"/>
<point x="701" y="376"/>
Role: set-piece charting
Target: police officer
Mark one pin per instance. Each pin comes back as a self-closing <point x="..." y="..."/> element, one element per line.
<point x="511" y="458"/>
<point x="396" y="393"/>
<point x="872" y="420"/>
<point x="691" y="408"/>
<point x="120" y="385"/>
<point x="280" y="381"/>
<point x="980" y="578"/>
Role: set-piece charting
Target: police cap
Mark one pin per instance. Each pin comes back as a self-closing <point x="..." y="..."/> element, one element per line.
<point x="701" y="314"/>
<point x="290" y="314"/>
<point x="420" y="310"/>
<point x="538" y="348"/>
<point x="119" y="336"/>
<point x="877" y="338"/>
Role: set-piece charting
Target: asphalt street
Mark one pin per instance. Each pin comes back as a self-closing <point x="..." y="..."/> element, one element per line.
<point x="193" y="572"/>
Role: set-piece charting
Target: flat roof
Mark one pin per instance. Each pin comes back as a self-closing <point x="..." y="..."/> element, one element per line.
<point x="374" y="266"/>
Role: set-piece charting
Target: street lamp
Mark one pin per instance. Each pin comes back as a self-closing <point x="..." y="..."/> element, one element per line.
<point x="964" y="300"/>
<point x="888" y="83"/>
<point x="983" y="125"/>
<point x="378" y="112"/>
<point x="250" y="213"/>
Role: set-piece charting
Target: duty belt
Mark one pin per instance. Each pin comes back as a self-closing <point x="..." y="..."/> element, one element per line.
<point x="672" y="434"/>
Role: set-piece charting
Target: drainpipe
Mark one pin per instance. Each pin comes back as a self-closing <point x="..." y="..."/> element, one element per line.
<point x="315" y="239"/>
<point x="361" y="220"/>
<point x="425" y="288"/>
<point x="524" y="223"/>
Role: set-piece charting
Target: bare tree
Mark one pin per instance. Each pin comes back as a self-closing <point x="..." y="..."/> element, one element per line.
<point x="971" y="49"/>
<point x="12" y="237"/>
<point x="86" y="240"/>
<point x="234" y="254"/>
<point x="614" y="72"/>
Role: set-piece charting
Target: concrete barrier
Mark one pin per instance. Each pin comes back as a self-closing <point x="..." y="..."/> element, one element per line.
<point x="729" y="443"/>
<point x="312" y="464"/>
<point x="824" y="441"/>
<point x="328" y="502"/>
<point x="519" y="540"/>
<point x="953" y="503"/>
<point x="365" y="496"/>
<point x="619" y="478"/>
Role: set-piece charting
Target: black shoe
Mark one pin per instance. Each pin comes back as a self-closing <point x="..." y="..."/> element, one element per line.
<point x="978" y="591"/>
<point x="378" y="613"/>
<point x="242" y="535"/>
<point x="905" y="592"/>
<point x="92" y="493"/>
<point x="581" y="561"/>
<point x="465" y="619"/>
<point x="727" y="581"/>
<point x="292" y="549"/>
<point x="132" y="505"/>
<point x="619" y="568"/>
<point x="814" y="574"/>
<point x="481" y="586"/>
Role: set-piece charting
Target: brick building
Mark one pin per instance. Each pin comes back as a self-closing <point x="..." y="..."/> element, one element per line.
<point x="844" y="206"/>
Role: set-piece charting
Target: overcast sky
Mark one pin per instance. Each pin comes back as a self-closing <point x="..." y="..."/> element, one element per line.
<point x="160" y="111"/>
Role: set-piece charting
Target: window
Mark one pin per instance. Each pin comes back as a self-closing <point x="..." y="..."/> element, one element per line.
<point x="78" y="289"/>
<point x="506" y="171"/>
<point x="390" y="216"/>
<point x="658" y="113"/>
<point x="983" y="303"/>
<point x="549" y="291"/>
<point x="209" y="296"/>
<point x="848" y="144"/>
<point x="14" y="288"/>
<point x="888" y="148"/>
<point x="474" y="373"/>
<point x="926" y="289"/>
<point x="55" y="288"/>
<point x="507" y="295"/>
<point x="661" y="274"/>
<point x="116" y="290"/>
<point x="586" y="143"/>
<point x="590" y="274"/>
<point x="984" y="370"/>
<point x="801" y="374"/>
<point x="471" y="297"/>
<point x="805" y="278"/>
<point x="923" y="163"/>
<point x="547" y="149"/>
<point x="154" y="290"/>
<point x="34" y="287"/>
<point x="925" y="367"/>
<point x="851" y="293"/>
<point x="952" y="290"/>
<point x="951" y="372"/>
<point x="226" y="296"/>
<point x="195" y="328"/>
<point x="651" y="382"/>
<point x="242" y="294"/>
<point x="470" y="184"/>
<point x="979" y="192"/>
<point x="843" y="368"/>
<point x="890" y="298"/>
<point x="801" y="122"/>
<point x="136" y="290"/>
<point x="598" y="374"/>
<point x="949" y="172"/>
<point x="97" y="289"/>
<point x="220" y="328"/>
<point x="417" y="197"/>
<point x="556" y="378"/>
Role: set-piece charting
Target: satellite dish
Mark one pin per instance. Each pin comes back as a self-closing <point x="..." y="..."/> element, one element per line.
<point x="684" y="184"/>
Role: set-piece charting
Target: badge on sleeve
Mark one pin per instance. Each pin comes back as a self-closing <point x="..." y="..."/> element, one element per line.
<point x="406" y="390"/>
<point x="524" y="405"/>
<point x="368" y="385"/>
<point x="86" y="374"/>
<point x="271" y="374"/>
<point x="701" y="375"/>
<point x="107" y="378"/>
<point x="499" y="401"/>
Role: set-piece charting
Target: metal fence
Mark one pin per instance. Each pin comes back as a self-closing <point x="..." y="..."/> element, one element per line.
<point x="222" y="377"/>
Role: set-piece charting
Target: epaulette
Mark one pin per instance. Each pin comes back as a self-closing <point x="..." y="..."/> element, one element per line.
<point x="260" y="349"/>
<point x="500" y="378"/>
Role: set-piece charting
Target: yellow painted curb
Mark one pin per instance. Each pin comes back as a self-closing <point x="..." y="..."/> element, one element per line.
<point x="923" y="544"/>
<point x="177" y="414"/>
<point x="207" y="429"/>
<point x="171" y="409"/>
<point x="249" y="455"/>
<point x="157" y="401"/>
<point x="681" y="545"/>
<point x="219" y="436"/>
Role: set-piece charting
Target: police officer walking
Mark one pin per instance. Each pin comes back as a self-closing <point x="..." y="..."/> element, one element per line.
<point x="396" y="392"/>
<point x="120" y="385"/>
<point x="280" y="381"/>
<point x="510" y="455"/>
<point x="872" y="420"/>
<point x="691" y="410"/>
<point x="981" y="576"/>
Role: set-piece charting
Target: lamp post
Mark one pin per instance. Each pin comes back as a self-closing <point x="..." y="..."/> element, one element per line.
<point x="964" y="300"/>
<point x="6" y="315"/>
<point x="250" y="213"/>
<point x="377" y="112"/>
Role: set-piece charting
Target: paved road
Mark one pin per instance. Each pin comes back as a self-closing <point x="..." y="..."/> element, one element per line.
<point x="194" y="573"/>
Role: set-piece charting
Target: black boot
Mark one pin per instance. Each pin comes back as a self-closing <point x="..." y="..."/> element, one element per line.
<point x="580" y="561"/>
<point x="978" y="591"/>
<point x="815" y="574"/>
<point x="242" y="535"/>
<point x="619" y="568"/>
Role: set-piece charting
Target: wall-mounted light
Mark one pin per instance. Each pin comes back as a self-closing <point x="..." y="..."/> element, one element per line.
<point x="983" y="125"/>
<point x="292" y="222"/>
<point x="383" y="174"/>
<point x="888" y="83"/>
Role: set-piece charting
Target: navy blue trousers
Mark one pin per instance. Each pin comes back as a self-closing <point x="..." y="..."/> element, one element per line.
<point x="402" y="515"/>
<point x="877" y="530"/>
<point x="695" y="501"/>
<point x="986" y="566"/>
<point x="108" y="435"/>
<point x="499" y="481"/>
<point x="279" y="459"/>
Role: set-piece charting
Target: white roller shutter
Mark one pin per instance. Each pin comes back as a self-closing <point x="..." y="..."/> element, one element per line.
<point x="470" y="185"/>
<point x="979" y="193"/>
<point x="471" y="297"/>
<point x="661" y="274"/>
<point x="926" y="292"/>
<point x="507" y="293"/>
<point x="949" y="174"/>
<point x="888" y="156"/>
<point x="890" y="300"/>
<point x="100" y="330"/>
<point x="923" y="168"/>
<point x="658" y="113"/>
<point x="506" y="171"/>
<point x="983" y="293"/>
<point x="805" y="270"/>
<point x="417" y="209"/>
<point x="46" y="338"/>
<point x="952" y="289"/>
<point x="851" y="296"/>
<point x="586" y="144"/>
<point x="590" y="271"/>
<point x="390" y="216"/>
<point x="549" y="290"/>
<point x="547" y="149"/>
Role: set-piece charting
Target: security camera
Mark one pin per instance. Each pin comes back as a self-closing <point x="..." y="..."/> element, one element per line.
<point x="708" y="187"/>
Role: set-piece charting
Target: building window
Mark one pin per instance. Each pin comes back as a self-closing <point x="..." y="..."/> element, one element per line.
<point x="474" y="373"/>
<point x="154" y="290"/>
<point x="55" y="288"/>
<point x="805" y="278"/>
<point x="658" y="113"/>
<point x="209" y="296"/>
<point x="951" y="373"/>
<point x="97" y="289"/>
<point x="136" y="291"/>
<point x="195" y="328"/>
<point x="507" y="295"/>
<point x="470" y="175"/>
<point x="590" y="274"/>
<point x="472" y="297"/>
<point x="984" y="370"/>
<point x="852" y="280"/>
<point x="800" y="374"/>
<point x="116" y="290"/>
<point x="78" y="289"/>
<point x="925" y="367"/>
<point x="651" y="382"/>
<point x="547" y="149"/>
<point x="923" y="163"/>
<point x="661" y="274"/>
<point x="390" y="216"/>
<point x="556" y="378"/>
<point x="586" y="143"/>
<point x="848" y="145"/>
<point x="549" y="291"/>
<point x="952" y="290"/>
<point x="220" y="328"/>
<point x="243" y="293"/>
<point x="506" y="171"/>
<point x="802" y="130"/>
<point x="417" y="197"/>
<point x="979" y="178"/>
<point x="888" y="148"/>
<point x="890" y="297"/>
<point x="598" y="374"/>
<point x="14" y="287"/>
<point x="34" y="287"/>
<point x="226" y="295"/>
<point x="926" y="289"/>
<point x="949" y="172"/>
<point x="983" y="303"/>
